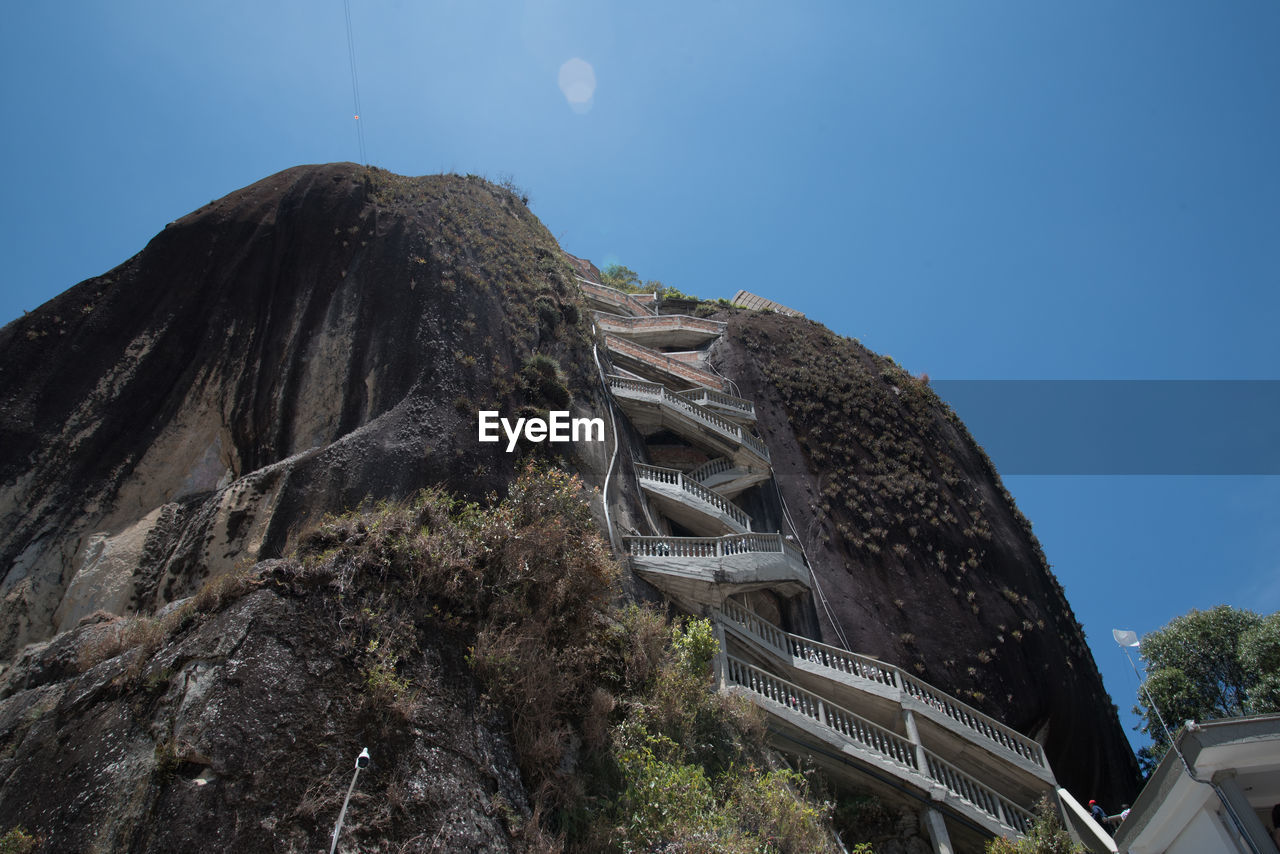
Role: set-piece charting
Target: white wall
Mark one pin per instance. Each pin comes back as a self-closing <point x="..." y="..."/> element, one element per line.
<point x="1205" y="834"/>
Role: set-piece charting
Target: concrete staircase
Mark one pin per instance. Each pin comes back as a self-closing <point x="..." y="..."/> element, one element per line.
<point x="603" y="298"/>
<point x="676" y="331"/>
<point x="694" y="506"/>
<point x="653" y="407"/>
<point x="864" y="721"/>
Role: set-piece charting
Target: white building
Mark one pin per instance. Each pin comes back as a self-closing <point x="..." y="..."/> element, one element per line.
<point x="1219" y="801"/>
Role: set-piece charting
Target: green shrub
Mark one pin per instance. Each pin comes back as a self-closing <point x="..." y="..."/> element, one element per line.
<point x="1046" y="836"/>
<point x="543" y="381"/>
<point x="17" y="841"/>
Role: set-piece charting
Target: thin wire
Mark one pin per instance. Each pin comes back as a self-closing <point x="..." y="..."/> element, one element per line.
<point x="1142" y="686"/>
<point x="355" y="80"/>
<point x="813" y="574"/>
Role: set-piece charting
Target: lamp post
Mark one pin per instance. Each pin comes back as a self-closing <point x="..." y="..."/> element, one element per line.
<point x="1129" y="640"/>
<point x="362" y="761"/>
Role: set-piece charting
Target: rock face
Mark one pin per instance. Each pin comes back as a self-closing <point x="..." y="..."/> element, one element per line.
<point x="325" y="337"/>
<point x="320" y="338"/>
<point x="238" y="737"/>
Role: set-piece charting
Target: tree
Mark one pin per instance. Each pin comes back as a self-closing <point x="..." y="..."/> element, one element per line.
<point x="1220" y="663"/>
<point x="625" y="279"/>
<point x="620" y="277"/>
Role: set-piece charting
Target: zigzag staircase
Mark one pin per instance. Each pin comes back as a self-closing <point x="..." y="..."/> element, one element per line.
<point x="865" y="721"/>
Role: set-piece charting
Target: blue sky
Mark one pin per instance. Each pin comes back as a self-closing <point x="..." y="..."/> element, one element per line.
<point x="981" y="190"/>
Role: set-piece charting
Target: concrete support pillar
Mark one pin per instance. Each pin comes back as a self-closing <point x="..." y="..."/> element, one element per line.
<point x="721" y="656"/>
<point x="913" y="733"/>
<point x="1233" y="797"/>
<point x="937" y="828"/>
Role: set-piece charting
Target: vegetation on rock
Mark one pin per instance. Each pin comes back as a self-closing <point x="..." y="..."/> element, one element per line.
<point x="1046" y="836"/>
<point x="892" y="485"/>
<point x="17" y="841"/>
<point x="621" y="739"/>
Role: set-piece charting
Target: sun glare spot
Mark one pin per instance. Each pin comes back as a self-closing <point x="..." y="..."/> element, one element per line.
<point x="578" y="83"/>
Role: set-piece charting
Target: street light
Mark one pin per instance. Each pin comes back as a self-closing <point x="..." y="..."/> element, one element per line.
<point x="1128" y="640"/>
<point x="362" y="761"/>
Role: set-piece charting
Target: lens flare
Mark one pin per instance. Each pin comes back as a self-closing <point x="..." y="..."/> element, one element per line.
<point x="578" y="83"/>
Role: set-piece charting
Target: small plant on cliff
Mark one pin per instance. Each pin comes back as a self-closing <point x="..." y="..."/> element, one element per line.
<point x="18" y="841"/>
<point x="543" y="381"/>
<point x="1046" y="836"/>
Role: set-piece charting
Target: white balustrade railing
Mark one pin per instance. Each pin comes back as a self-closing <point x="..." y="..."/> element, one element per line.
<point x="634" y="386"/>
<point x="706" y="396"/>
<point x="659" y="393"/>
<point x="803" y="649"/>
<point x="886" y="744"/>
<point x="799" y="648"/>
<point x="728" y="545"/>
<point x="964" y="714"/>
<point x="711" y="468"/>
<point x="951" y="778"/>
<point x="761" y="629"/>
<point x="853" y="728"/>
<point x="672" y="546"/>
<point x="678" y="479"/>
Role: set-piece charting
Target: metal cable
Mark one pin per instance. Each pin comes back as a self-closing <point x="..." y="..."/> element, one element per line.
<point x="355" y="81"/>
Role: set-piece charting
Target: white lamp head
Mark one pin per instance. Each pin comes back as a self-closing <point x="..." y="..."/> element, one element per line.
<point x="1124" y="637"/>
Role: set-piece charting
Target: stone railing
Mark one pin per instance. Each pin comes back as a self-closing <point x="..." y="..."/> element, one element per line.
<point x="792" y="646"/>
<point x="661" y="361"/>
<point x="659" y="393"/>
<point x="676" y="478"/>
<point x="711" y="468"/>
<point x="870" y="736"/>
<point x="822" y="655"/>
<point x="891" y="749"/>
<point x="967" y="716"/>
<point x="991" y="802"/>
<point x="613" y="296"/>
<point x="702" y="547"/>
<point x="707" y="397"/>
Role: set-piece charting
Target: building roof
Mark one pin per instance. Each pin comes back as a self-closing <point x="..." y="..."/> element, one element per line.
<point x="1247" y="749"/>
<point x="746" y="299"/>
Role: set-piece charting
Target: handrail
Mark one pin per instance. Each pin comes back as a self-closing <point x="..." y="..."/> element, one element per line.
<point x="853" y="727"/>
<point x="814" y="652"/>
<point x="661" y="360"/>
<point x="697" y="547"/>
<point x="843" y="661"/>
<point x="711" y="468"/>
<point x="964" y="714"/>
<point x="981" y="796"/>
<point x="659" y="392"/>
<point x="663" y="321"/>
<point x="885" y="744"/>
<point x="677" y="478"/>
<point x="704" y="396"/>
